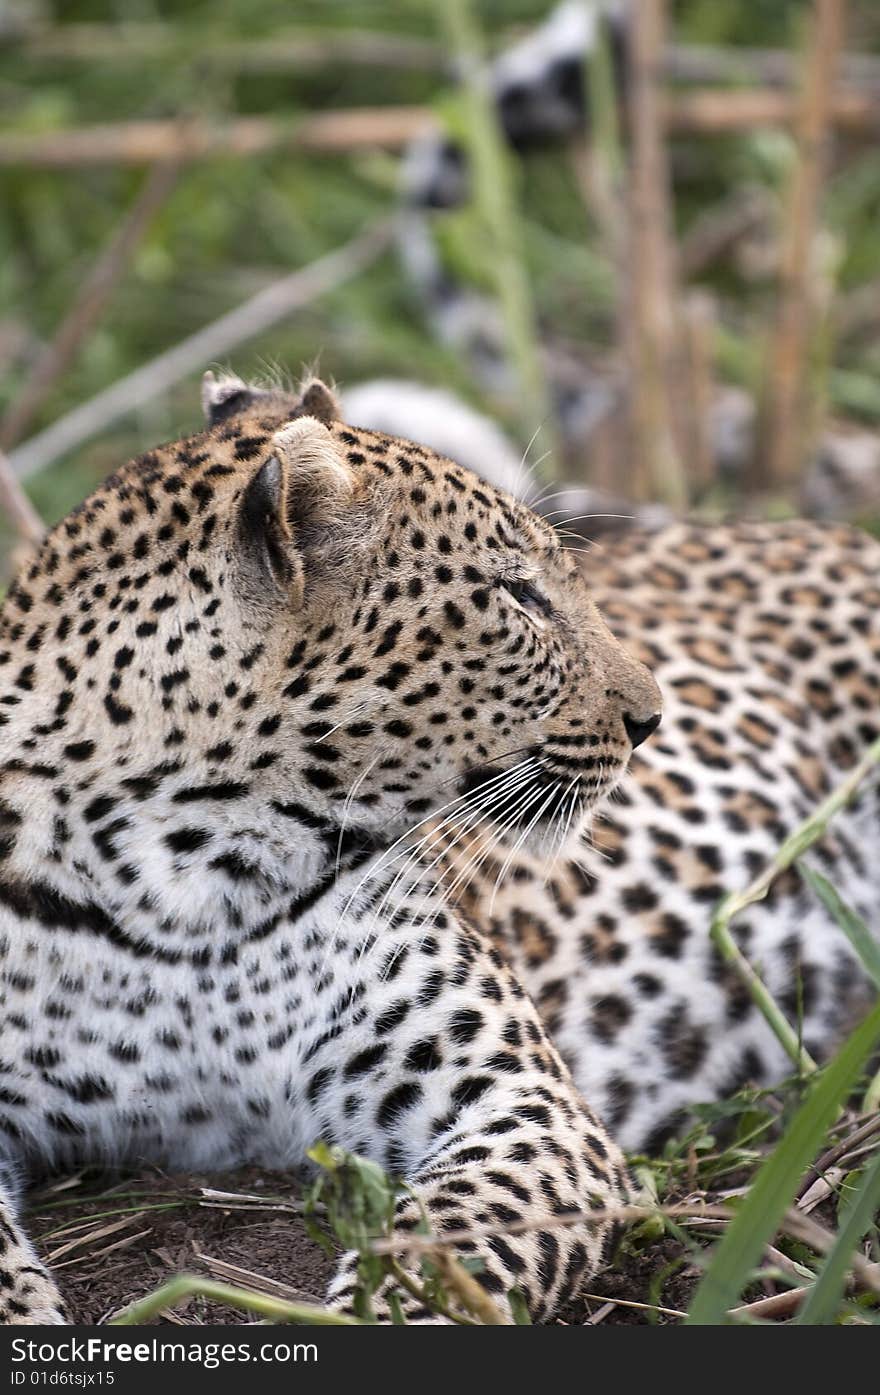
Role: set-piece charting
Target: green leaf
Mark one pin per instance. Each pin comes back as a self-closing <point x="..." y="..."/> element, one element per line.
<point x="848" y="1193"/>
<point x="758" y="1217"/>
<point x="823" y="1304"/>
<point x="852" y="925"/>
<point x="518" y="1308"/>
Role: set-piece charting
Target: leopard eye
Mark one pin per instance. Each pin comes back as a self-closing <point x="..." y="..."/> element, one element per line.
<point x="528" y="595"/>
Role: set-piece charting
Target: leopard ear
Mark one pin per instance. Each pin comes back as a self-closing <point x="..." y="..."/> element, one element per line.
<point x="297" y="517"/>
<point x="225" y="397"/>
<point x="320" y="483"/>
<point x="319" y="401"/>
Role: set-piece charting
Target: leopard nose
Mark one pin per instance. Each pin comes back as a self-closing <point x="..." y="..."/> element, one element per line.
<point x="640" y="731"/>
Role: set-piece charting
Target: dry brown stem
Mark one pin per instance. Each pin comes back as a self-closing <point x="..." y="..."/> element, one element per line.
<point x="788" y="408"/>
<point x="92" y="299"/>
<point x="654" y="346"/>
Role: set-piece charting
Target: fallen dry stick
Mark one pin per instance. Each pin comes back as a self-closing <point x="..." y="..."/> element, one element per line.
<point x="91" y="300"/>
<point x="267" y="307"/>
<point x="16" y="504"/>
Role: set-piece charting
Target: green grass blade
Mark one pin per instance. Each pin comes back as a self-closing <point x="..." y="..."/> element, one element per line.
<point x="823" y="1304"/>
<point x="852" y="925"/>
<point x="759" y="1216"/>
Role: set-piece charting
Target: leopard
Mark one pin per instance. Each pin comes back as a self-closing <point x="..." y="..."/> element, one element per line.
<point x="764" y="638"/>
<point x="494" y="977"/>
<point x="235" y="683"/>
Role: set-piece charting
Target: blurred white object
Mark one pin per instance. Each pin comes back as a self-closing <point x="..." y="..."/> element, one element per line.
<point x="439" y="419"/>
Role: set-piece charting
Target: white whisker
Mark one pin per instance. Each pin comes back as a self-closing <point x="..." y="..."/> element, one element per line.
<point x="473" y="817"/>
<point x="472" y="865"/>
<point x="346" y="808"/>
<point x="518" y="844"/>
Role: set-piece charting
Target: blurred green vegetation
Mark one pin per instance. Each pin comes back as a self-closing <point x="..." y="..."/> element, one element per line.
<point x="231" y="226"/>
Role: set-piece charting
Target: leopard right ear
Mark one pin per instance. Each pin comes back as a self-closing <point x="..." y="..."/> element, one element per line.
<point x="319" y="401"/>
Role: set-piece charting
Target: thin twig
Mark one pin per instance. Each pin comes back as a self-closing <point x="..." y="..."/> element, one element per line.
<point x="422" y="1244"/>
<point x="417" y="1291"/>
<point x="275" y="302"/>
<point x="16" y="504"/>
<point x="808" y="1230"/>
<point x="803" y="837"/>
<point x="90" y="302"/>
<point x="868" y="1130"/>
<point x="706" y="63"/>
<point x="631" y="1303"/>
<point x="222" y="1270"/>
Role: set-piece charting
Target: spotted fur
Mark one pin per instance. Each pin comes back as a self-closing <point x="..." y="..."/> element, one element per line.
<point x="765" y="639"/>
<point x="231" y="683"/>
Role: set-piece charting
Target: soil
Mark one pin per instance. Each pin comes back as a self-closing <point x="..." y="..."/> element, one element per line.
<point x="112" y="1242"/>
<point x="166" y="1227"/>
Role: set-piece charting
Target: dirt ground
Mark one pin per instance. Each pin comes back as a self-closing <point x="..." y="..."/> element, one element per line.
<point x="111" y="1242"/>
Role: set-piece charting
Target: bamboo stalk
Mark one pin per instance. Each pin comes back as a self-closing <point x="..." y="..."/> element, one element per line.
<point x="654" y="345"/>
<point x="698" y="324"/>
<point x="90" y="302"/>
<point x="789" y="408"/>
<point x="718" y="112"/>
<point x="495" y="203"/>
<point x="703" y="112"/>
<point x="182" y="141"/>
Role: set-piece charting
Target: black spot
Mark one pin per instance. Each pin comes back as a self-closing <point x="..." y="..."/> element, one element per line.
<point x="397" y="1101"/>
<point x="366" y="1060"/>
<point x="464" y="1025"/>
<point x="470" y="1089"/>
<point x="185" y="840"/>
<point x="80" y="750"/>
<point x="423" y="1056"/>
